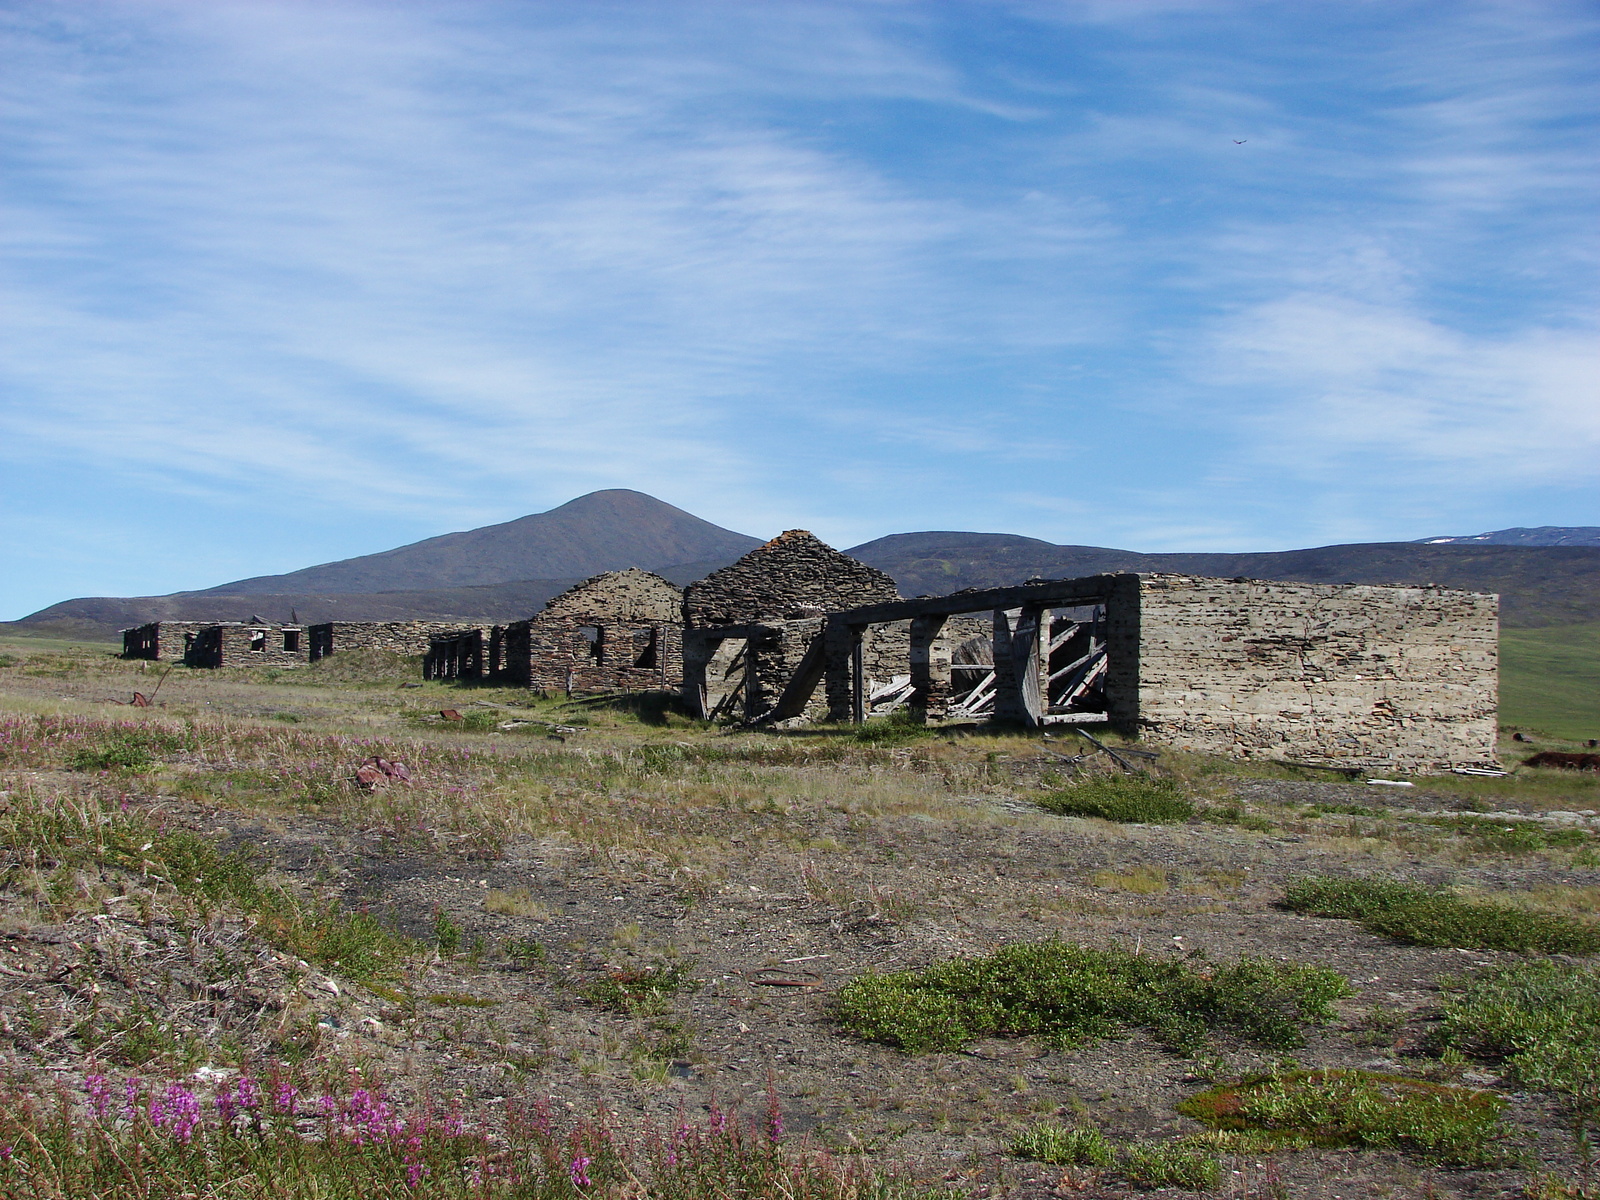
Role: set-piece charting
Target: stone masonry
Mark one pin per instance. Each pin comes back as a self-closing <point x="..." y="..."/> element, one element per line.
<point x="1390" y="678"/>
<point x="793" y="575"/>
<point x="161" y="641"/>
<point x="755" y="626"/>
<point x="620" y="631"/>
<point x="1400" y="677"/>
<point x="397" y="637"/>
<point x="233" y="644"/>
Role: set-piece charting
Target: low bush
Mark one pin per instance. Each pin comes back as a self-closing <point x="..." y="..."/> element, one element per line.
<point x="1071" y="994"/>
<point x="1542" y="1019"/>
<point x="640" y="991"/>
<point x="1133" y="799"/>
<point x="1051" y="1143"/>
<point x="1359" y="1108"/>
<point x="1169" y="1164"/>
<point x="1428" y="917"/>
<point x="1513" y="837"/>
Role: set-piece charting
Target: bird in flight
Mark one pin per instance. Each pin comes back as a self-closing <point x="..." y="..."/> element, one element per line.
<point x="1237" y="142"/>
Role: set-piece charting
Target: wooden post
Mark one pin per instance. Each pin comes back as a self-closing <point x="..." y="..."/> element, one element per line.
<point x="858" y="675"/>
<point x="930" y="668"/>
<point x="1018" y="696"/>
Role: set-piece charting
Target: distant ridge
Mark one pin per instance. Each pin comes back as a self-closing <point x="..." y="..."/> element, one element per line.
<point x="1538" y="585"/>
<point x="1542" y="535"/>
<point x="507" y="571"/>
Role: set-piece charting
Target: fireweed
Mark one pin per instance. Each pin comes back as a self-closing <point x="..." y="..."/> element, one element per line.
<point x="137" y="1138"/>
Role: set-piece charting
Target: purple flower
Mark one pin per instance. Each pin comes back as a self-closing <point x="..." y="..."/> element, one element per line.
<point x="580" y="1171"/>
<point x="99" y="1094"/>
<point x="177" y="1110"/>
<point x="286" y="1098"/>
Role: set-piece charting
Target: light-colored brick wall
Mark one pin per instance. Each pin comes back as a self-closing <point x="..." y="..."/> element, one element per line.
<point x="1395" y="677"/>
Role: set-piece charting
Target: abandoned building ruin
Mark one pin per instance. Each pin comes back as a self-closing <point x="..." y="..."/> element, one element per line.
<point x="395" y="637"/>
<point x="620" y="631"/>
<point x="1401" y="678"/>
<point x="253" y="643"/>
<point x="258" y="643"/>
<point x="754" y="627"/>
<point x="1386" y="677"/>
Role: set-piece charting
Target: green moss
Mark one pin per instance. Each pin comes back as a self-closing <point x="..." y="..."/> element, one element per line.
<point x="1360" y="1108"/>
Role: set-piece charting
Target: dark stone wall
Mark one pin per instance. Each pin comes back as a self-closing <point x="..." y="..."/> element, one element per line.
<point x="795" y="575"/>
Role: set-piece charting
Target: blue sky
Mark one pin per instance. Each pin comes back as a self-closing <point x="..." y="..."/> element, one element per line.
<point x="285" y="282"/>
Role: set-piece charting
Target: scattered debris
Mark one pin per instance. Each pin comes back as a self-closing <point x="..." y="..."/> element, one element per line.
<point x="375" y="770"/>
<point x="450" y="714"/>
<point x="1564" y="760"/>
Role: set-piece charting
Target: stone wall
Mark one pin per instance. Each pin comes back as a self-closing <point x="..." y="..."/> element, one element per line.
<point x="398" y="637"/>
<point x="793" y="576"/>
<point x="456" y="654"/>
<point x="236" y="645"/>
<point x="161" y="641"/>
<point x="620" y="631"/>
<point x="1399" y="678"/>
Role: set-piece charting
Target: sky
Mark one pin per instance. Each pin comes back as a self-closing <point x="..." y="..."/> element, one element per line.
<point x="285" y="282"/>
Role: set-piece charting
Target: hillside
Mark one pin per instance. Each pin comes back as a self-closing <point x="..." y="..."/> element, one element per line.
<point x="506" y="571"/>
<point x="603" y="531"/>
<point x="1538" y="586"/>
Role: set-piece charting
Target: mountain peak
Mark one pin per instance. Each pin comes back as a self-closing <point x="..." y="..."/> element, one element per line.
<point x="607" y="530"/>
<point x="1541" y="535"/>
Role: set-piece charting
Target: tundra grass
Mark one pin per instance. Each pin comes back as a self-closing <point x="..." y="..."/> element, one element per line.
<point x="1550" y="680"/>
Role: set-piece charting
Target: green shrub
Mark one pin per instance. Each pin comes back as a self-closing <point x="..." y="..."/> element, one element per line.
<point x="1513" y="837"/>
<point x="1168" y="1164"/>
<point x="1541" y="1018"/>
<point x="1058" y="1144"/>
<point x="639" y="991"/>
<point x="1072" y="994"/>
<point x="1428" y="917"/>
<point x="1137" y="799"/>
<point x="1360" y="1108"/>
<point x="132" y="750"/>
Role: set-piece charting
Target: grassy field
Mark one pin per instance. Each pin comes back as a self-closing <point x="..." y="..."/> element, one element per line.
<point x="1550" y="680"/>
<point x="601" y="949"/>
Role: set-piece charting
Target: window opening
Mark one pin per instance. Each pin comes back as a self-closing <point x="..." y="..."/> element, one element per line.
<point x="291" y="641"/>
<point x="258" y="641"/>
<point x="646" y="658"/>
<point x="595" y="635"/>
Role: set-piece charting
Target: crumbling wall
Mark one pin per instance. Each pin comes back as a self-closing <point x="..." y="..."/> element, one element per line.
<point x="794" y="576"/>
<point x="456" y="654"/>
<point x="1399" y="677"/>
<point x="398" y="637"/>
<point x="620" y="631"/>
<point x="161" y="641"/>
<point x="232" y="644"/>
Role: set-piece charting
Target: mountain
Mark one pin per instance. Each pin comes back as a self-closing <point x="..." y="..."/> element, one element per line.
<point x="603" y="531"/>
<point x="1543" y="535"/>
<point x="507" y="571"/>
<point x="1538" y="585"/>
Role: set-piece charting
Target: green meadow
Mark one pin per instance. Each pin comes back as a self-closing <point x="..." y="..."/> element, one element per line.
<point x="1550" y="680"/>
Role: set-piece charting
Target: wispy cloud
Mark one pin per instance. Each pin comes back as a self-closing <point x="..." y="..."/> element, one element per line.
<point x="857" y="266"/>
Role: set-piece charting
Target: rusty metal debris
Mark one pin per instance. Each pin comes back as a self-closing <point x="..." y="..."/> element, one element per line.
<point x="450" y="714"/>
<point x="140" y="700"/>
<point x="375" y="771"/>
<point x="783" y="977"/>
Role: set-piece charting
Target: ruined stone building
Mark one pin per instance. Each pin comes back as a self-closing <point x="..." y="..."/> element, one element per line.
<point x="218" y="643"/>
<point x="161" y="641"/>
<point x="397" y="637"/>
<point x="1399" y="678"/>
<point x="755" y="627"/>
<point x="620" y="631"/>
<point x="456" y="654"/>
